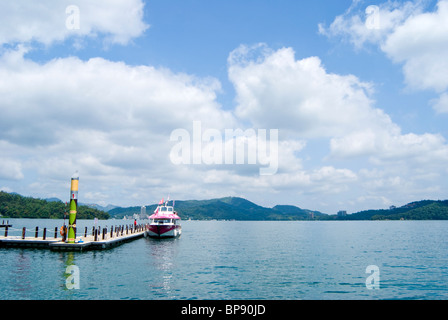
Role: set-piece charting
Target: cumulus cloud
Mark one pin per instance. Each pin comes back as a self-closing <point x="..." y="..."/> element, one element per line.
<point x="415" y="36"/>
<point x="303" y="100"/>
<point x="10" y="169"/>
<point x="441" y="104"/>
<point x="362" y="25"/>
<point x="277" y="91"/>
<point x="49" y="21"/>
<point x="112" y="121"/>
<point x="107" y="119"/>
<point x="408" y="34"/>
<point x="419" y="43"/>
<point x="40" y="100"/>
<point x="383" y="147"/>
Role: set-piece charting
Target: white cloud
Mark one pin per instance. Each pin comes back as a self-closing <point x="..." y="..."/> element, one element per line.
<point x="41" y="102"/>
<point x="407" y="35"/>
<point x="304" y="101"/>
<point x="405" y="165"/>
<point x="441" y="104"/>
<point x="109" y="120"/>
<point x="112" y="122"/>
<point x="6" y="189"/>
<point x="10" y="169"/>
<point x="298" y="96"/>
<point x="45" y="21"/>
<point x="385" y="147"/>
<point x="420" y="43"/>
<point x="354" y="23"/>
<point x="274" y="90"/>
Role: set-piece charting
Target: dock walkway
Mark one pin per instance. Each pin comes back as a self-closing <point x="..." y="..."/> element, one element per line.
<point x="97" y="241"/>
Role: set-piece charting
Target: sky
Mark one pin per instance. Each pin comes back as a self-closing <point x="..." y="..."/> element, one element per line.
<point x="333" y="105"/>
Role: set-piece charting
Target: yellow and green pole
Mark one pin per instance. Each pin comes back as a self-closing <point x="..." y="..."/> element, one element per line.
<point x="73" y="208"/>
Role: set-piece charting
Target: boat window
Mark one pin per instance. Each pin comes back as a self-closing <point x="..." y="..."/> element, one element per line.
<point x="161" y="221"/>
<point x="163" y="209"/>
<point x="170" y="209"/>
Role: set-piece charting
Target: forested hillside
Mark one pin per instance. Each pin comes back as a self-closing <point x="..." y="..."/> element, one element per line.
<point x="229" y="208"/>
<point x="17" y="206"/>
<point x="419" y="210"/>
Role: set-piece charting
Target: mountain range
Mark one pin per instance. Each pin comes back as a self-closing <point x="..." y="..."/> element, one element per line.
<point x="229" y="208"/>
<point x="232" y="208"/>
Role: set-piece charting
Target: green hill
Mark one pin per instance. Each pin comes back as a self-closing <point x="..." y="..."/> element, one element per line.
<point x="13" y="205"/>
<point x="296" y="213"/>
<point x="419" y="210"/>
<point x="229" y="208"/>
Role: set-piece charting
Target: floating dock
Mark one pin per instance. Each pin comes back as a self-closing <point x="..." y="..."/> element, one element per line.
<point x="96" y="241"/>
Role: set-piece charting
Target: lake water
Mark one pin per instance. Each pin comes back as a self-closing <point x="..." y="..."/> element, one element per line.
<point x="231" y="260"/>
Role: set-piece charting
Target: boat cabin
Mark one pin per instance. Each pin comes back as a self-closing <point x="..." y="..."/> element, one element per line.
<point x="165" y="215"/>
<point x="164" y="221"/>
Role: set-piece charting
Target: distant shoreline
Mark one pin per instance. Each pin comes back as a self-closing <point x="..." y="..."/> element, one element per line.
<point x="13" y="205"/>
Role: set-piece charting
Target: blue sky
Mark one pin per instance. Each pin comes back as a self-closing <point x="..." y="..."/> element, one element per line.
<point x="361" y="112"/>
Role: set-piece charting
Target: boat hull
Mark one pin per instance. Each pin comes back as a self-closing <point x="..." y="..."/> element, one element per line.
<point x="164" y="231"/>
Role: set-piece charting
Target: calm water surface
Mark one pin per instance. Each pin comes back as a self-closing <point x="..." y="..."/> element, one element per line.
<point x="242" y="260"/>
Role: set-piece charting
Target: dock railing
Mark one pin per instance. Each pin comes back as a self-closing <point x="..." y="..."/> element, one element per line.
<point x="97" y="233"/>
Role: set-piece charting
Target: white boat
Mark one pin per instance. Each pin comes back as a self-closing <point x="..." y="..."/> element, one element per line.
<point x="164" y="223"/>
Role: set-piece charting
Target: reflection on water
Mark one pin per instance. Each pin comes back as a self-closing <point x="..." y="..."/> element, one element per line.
<point x="22" y="277"/>
<point x="163" y="254"/>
